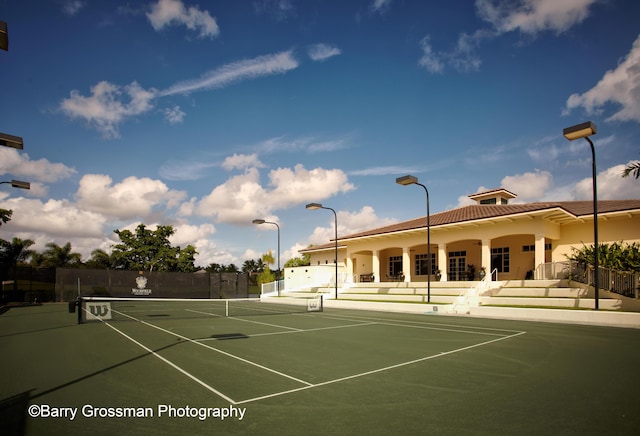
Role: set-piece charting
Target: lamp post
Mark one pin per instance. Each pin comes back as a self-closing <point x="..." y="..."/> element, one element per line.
<point x="260" y="221"/>
<point x="584" y="130"/>
<point x="314" y="206"/>
<point x="412" y="180"/>
<point x="18" y="184"/>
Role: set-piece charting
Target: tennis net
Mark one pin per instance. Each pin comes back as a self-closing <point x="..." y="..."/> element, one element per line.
<point x="135" y="309"/>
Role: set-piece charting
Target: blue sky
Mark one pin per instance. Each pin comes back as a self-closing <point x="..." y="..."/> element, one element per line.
<point x="207" y="115"/>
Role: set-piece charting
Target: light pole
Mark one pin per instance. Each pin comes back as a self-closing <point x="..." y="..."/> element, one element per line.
<point x="578" y="131"/>
<point x="314" y="206"/>
<point x="260" y="221"/>
<point x="412" y="180"/>
<point x="18" y="184"/>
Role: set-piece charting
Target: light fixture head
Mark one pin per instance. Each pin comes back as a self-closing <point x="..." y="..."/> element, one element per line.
<point x="20" y="184"/>
<point x="580" y="131"/>
<point x="407" y="180"/>
<point x="11" y="141"/>
<point x="4" y="36"/>
<point x="313" y="206"/>
<point x="258" y="221"/>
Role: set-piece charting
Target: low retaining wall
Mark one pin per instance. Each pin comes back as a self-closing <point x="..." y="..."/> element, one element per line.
<point x="606" y="318"/>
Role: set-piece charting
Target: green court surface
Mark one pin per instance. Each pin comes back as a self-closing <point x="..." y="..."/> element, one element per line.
<point x="325" y="373"/>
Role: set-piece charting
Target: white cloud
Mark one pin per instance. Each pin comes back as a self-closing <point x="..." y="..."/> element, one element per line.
<point x="430" y="60"/>
<point x="104" y="109"/>
<point x="174" y="115"/>
<point x="242" y="198"/>
<point x="246" y="69"/>
<point x="72" y="7"/>
<point x="186" y="234"/>
<point x="53" y="218"/>
<point x="107" y="106"/>
<point x="533" y="16"/>
<point x="619" y="86"/>
<point x="280" y="10"/>
<point x="170" y="12"/>
<point x="187" y="170"/>
<point x="527" y="186"/>
<point x="322" y="52"/>
<point x="611" y="186"/>
<point x="526" y="16"/>
<point x="385" y="171"/>
<point x="239" y="200"/>
<point x="297" y="185"/>
<point x="20" y="165"/>
<point x="380" y="6"/>
<point x="131" y="198"/>
<point x="242" y="161"/>
<point x="281" y="144"/>
<point x="349" y="223"/>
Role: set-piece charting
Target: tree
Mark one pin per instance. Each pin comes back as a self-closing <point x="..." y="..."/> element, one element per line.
<point x="304" y="260"/>
<point x="5" y="216"/>
<point x="15" y="252"/>
<point x="150" y="250"/>
<point x="633" y="167"/>
<point x="56" y="256"/>
<point x="253" y="266"/>
<point x="100" y="259"/>
<point x="266" y="275"/>
<point x="186" y="259"/>
<point x="220" y="268"/>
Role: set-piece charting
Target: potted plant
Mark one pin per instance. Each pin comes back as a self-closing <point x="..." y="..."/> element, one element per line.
<point x="482" y="273"/>
<point x="471" y="271"/>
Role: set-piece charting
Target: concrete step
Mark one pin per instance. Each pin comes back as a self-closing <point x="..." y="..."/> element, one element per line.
<point x="574" y="303"/>
<point x="399" y="298"/>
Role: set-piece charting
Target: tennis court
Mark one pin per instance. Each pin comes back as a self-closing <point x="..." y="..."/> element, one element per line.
<point x="180" y="369"/>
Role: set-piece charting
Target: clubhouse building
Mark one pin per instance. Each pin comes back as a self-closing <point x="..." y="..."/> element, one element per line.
<point x="492" y="236"/>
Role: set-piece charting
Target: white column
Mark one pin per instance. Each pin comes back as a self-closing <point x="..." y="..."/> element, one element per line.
<point x="375" y="264"/>
<point x="442" y="261"/>
<point x="539" y="256"/>
<point x="486" y="255"/>
<point x="406" y="264"/>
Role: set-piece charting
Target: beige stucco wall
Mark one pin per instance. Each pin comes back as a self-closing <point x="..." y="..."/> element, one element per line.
<point x="610" y="230"/>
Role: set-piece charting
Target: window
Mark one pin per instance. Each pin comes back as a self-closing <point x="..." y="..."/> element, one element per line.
<point x="500" y="259"/>
<point x="489" y="201"/>
<point x="528" y="248"/>
<point x="395" y="265"/>
<point x="422" y="265"/>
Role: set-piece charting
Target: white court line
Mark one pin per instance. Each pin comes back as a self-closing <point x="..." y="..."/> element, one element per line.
<point x="245" y="320"/>
<point x="407" y="322"/>
<point x="387" y="368"/>
<point x="217" y="350"/>
<point x="173" y="365"/>
<point x="307" y="384"/>
<point x="300" y="331"/>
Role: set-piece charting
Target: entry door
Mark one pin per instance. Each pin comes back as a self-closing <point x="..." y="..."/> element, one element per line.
<point x="457" y="268"/>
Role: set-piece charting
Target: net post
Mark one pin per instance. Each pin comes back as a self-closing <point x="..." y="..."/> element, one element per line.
<point x="79" y="309"/>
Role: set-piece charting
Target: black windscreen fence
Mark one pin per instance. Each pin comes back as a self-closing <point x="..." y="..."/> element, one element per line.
<point x="71" y="283"/>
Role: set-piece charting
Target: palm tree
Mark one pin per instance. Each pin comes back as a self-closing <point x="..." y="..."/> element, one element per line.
<point x="14" y="252"/>
<point x="57" y="256"/>
<point x="100" y="259"/>
<point x="633" y="167"/>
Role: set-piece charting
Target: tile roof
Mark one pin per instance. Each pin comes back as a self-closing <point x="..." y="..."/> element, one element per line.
<point x="478" y="212"/>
